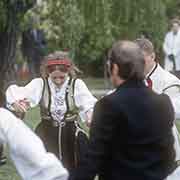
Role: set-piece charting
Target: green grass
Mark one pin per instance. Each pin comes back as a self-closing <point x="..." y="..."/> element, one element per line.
<point x="97" y="83"/>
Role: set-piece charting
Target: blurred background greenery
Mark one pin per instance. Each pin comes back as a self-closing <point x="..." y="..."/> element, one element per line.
<point x="87" y="28"/>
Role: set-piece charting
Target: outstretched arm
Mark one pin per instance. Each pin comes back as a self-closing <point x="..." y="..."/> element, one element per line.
<point x="20" y="98"/>
<point x="27" y="150"/>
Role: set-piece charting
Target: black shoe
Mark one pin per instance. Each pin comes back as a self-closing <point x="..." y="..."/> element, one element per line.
<point x="3" y="160"/>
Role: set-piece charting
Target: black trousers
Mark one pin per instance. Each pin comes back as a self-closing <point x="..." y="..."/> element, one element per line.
<point x="64" y="141"/>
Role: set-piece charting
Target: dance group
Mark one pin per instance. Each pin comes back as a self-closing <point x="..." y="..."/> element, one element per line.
<point x="132" y="135"/>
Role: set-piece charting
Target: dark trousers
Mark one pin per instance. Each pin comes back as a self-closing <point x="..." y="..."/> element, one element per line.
<point x="66" y="143"/>
<point x="1" y="150"/>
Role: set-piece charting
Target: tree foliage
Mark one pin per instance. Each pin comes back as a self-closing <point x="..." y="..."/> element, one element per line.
<point x="11" y="15"/>
<point x="89" y="27"/>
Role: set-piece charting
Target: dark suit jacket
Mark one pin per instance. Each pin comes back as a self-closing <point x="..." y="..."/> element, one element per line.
<point x="130" y="137"/>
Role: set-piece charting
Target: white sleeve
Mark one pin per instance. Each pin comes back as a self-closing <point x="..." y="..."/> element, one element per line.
<point x="84" y="100"/>
<point x="27" y="150"/>
<point x="174" y="95"/>
<point x="166" y="48"/>
<point x="32" y="91"/>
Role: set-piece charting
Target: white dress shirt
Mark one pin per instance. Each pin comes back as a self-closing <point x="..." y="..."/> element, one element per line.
<point x="165" y="82"/>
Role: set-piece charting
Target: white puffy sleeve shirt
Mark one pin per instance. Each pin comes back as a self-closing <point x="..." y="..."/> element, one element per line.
<point x="84" y="100"/>
<point x="165" y="82"/>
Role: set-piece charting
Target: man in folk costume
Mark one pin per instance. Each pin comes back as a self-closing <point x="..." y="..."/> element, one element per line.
<point x="162" y="81"/>
<point x="62" y="99"/>
<point x="27" y="151"/>
<point x="171" y="47"/>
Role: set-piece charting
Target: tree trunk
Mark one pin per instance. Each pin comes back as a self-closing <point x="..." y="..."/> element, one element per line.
<point x="8" y="41"/>
<point x="15" y="10"/>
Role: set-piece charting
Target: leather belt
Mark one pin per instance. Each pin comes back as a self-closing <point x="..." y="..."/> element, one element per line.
<point x="53" y="123"/>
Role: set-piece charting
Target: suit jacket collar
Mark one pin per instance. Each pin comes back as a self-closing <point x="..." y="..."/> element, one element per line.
<point x="132" y="83"/>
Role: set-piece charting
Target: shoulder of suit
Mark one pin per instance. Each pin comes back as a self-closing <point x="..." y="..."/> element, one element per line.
<point x="166" y="76"/>
<point x="165" y="99"/>
<point x="112" y="98"/>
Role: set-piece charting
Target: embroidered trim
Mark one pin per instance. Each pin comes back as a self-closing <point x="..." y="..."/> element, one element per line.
<point x="168" y="87"/>
<point x="153" y="70"/>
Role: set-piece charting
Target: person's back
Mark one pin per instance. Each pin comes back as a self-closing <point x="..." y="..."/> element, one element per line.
<point x="143" y="143"/>
<point x="133" y="137"/>
<point x="130" y="135"/>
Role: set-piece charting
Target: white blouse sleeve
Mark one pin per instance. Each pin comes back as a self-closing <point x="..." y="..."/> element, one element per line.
<point x="84" y="100"/>
<point x="32" y="91"/>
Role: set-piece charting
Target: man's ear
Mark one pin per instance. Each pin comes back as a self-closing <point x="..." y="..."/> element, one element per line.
<point x="153" y="56"/>
<point x="115" y="69"/>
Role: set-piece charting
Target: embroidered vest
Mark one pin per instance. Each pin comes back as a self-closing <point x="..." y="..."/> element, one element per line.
<point x="45" y="104"/>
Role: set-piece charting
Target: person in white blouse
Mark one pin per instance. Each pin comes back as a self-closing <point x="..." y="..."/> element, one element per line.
<point x="171" y="47"/>
<point x="162" y="81"/>
<point x="27" y="151"/>
<point x="62" y="99"/>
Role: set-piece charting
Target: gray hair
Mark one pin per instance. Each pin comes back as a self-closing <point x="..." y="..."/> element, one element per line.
<point x="129" y="59"/>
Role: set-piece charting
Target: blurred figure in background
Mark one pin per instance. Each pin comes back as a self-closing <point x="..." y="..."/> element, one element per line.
<point x="33" y="48"/>
<point x="171" y="48"/>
